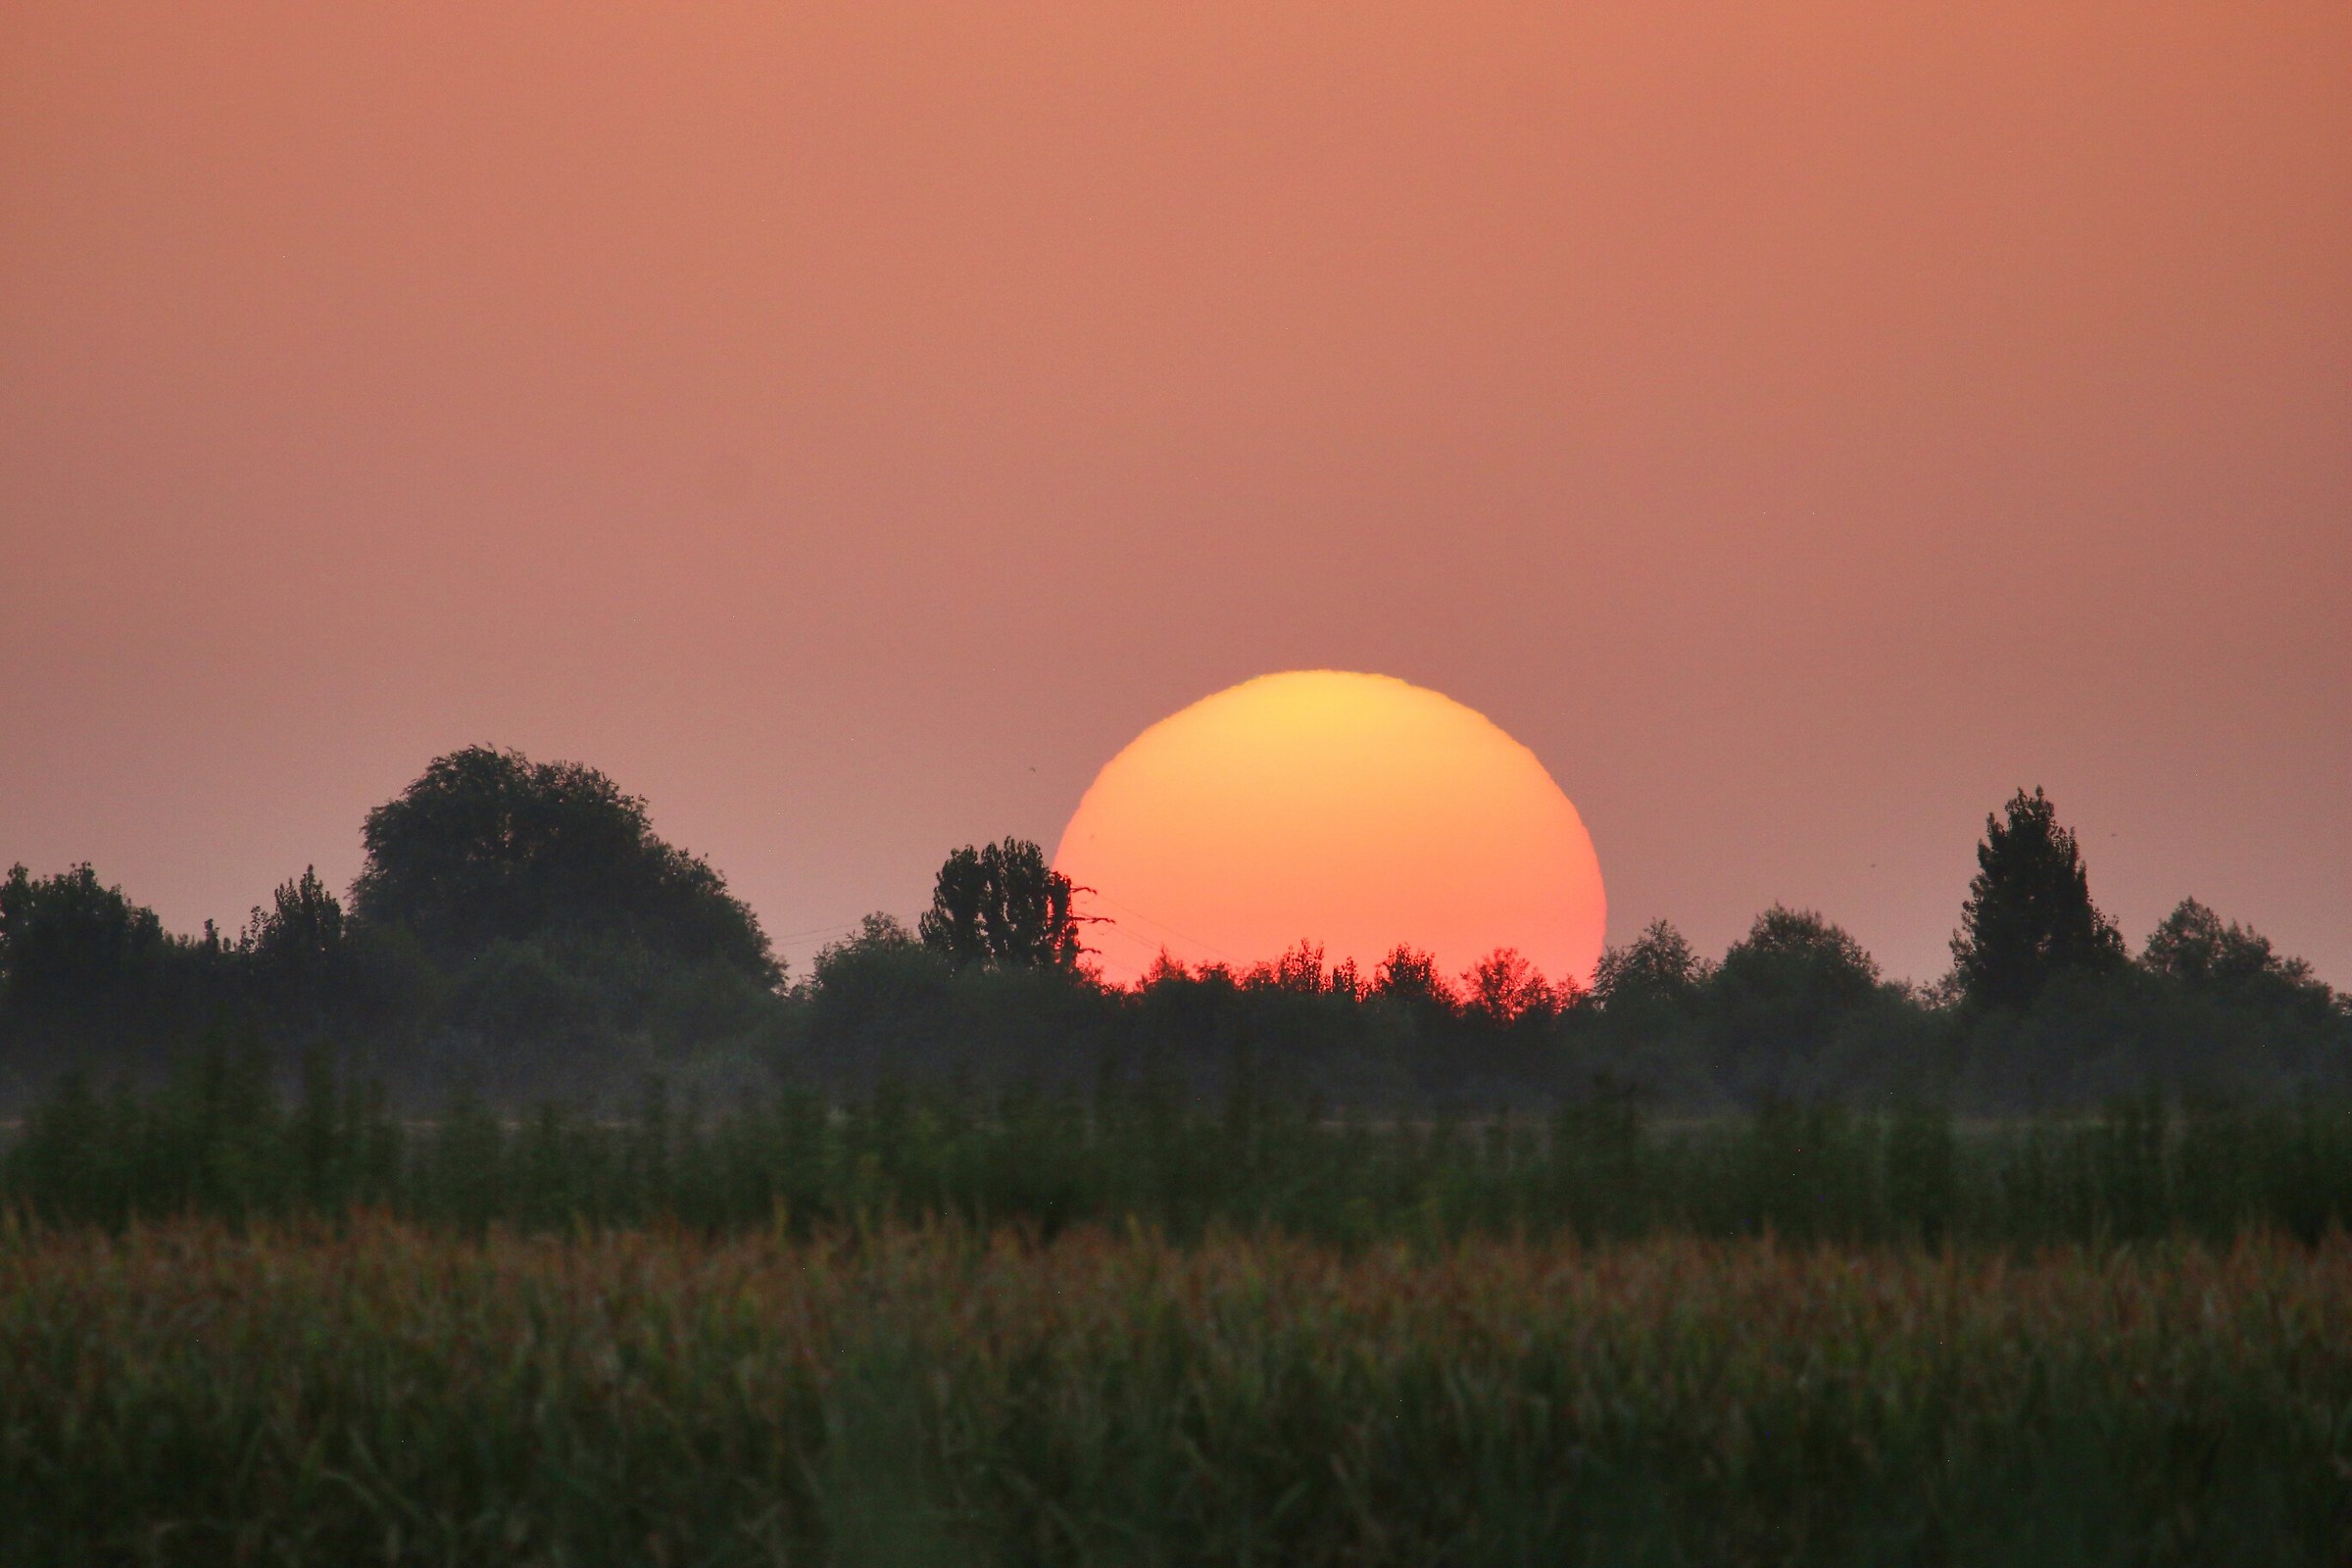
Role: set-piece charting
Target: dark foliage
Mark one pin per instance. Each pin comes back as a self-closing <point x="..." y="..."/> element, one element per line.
<point x="490" y="847"/>
<point x="299" y="959"/>
<point x="1657" y="971"/>
<point x="1001" y="905"/>
<point x="68" y="935"/>
<point x="2029" y="914"/>
<point x="2075" y="1221"/>
<point x="87" y="975"/>
<point x="371" y="1392"/>
<point x="544" y="993"/>
<point x="2194" y="950"/>
<point x="568" y="947"/>
<point x="219" y="1138"/>
<point x="1409" y="978"/>
<point x="884" y="1006"/>
<point x="517" y="927"/>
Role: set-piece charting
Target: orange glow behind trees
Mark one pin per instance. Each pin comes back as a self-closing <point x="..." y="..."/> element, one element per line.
<point x="1353" y="811"/>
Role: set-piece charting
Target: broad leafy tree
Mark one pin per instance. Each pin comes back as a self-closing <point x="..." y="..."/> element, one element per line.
<point x="2194" y="947"/>
<point x="86" y="975"/>
<point x="295" y="954"/>
<point x="1411" y="976"/>
<point x="489" y="844"/>
<point x="2028" y="913"/>
<point x="69" y="937"/>
<point x="1649" y="995"/>
<point x="1794" y="959"/>
<point x="1778" y="999"/>
<point x="85" y="969"/>
<point x="300" y="932"/>
<point x="1658" y="968"/>
<point x="1001" y="905"/>
<point x="1504" y="987"/>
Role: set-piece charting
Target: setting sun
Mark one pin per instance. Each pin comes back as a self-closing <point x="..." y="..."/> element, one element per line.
<point x="1353" y="810"/>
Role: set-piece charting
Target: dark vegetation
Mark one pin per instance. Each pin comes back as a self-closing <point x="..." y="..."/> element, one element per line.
<point x="518" y="933"/>
<point x="395" y="1396"/>
<point x="518" y="930"/>
<point x="519" y="1210"/>
<point x="537" y="1013"/>
<point x="219" y="1141"/>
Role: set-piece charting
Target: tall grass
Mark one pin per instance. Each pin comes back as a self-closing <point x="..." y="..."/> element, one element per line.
<point x="379" y="1393"/>
<point x="241" y="1326"/>
<point x="219" y="1141"/>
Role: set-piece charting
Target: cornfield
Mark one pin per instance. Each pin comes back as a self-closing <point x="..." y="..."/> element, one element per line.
<point x="372" y="1391"/>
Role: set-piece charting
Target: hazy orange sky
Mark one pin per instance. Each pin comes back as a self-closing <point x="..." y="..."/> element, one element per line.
<point x="849" y="425"/>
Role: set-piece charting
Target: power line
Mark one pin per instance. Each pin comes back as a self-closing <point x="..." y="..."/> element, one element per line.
<point x="818" y="931"/>
<point x="1164" y="926"/>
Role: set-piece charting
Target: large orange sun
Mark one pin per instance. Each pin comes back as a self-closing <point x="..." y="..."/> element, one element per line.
<point x="1353" y="811"/>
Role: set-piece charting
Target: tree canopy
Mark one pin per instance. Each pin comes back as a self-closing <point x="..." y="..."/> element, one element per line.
<point x="2029" y="914"/>
<point x="2192" y="945"/>
<point x="1001" y="905"/>
<point x="519" y="929"/>
<point x="1794" y="956"/>
<point x="1657" y="968"/>
<point x="71" y="935"/>
<point x="489" y="844"/>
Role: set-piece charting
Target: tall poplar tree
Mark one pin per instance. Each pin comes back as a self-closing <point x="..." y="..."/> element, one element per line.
<point x="1002" y="904"/>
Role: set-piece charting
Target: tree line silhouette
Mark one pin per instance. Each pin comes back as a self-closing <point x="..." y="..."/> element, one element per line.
<point x="518" y="931"/>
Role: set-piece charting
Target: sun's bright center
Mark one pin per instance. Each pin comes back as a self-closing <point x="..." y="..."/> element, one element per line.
<point x="1353" y="811"/>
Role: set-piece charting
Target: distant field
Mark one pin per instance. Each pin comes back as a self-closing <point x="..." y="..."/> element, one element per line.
<point x="220" y="1142"/>
<point x="371" y="1391"/>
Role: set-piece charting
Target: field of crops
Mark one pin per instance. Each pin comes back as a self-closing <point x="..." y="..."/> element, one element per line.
<point x="1127" y="1330"/>
<point x="374" y="1391"/>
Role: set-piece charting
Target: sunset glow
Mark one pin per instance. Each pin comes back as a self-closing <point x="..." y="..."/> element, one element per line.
<point x="1353" y="811"/>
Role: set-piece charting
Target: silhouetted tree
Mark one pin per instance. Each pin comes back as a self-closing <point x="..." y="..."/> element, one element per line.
<point x="2191" y="945"/>
<point x="1642" y="1029"/>
<point x="1659" y="967"/>
<point x="68" y="937"/>
<point x="1345" y="979"/>
<point x="490" y="846"/>
<point x="1776" y="1002"/>
<point x="874" y="1001"/>
<point x="2028" y="913"/>
<point x="301" y="933"/>
<point x="1503" y="987"/>
<point x="1410" y="976"/>
<point x="1301" y="969"/>
<point x="1002" y="904"/>
<point x="86" y="975"/>
<point x="294" y="953"/>
<point x="1794" y="956"/>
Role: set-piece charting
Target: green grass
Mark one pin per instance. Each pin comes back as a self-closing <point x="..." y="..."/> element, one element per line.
<point x="373" y="1392"/>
